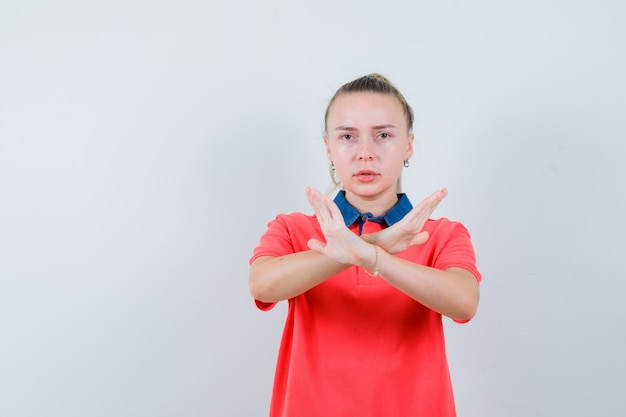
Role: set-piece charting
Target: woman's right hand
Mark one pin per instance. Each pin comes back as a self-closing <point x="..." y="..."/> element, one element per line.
<point x="341" y="245"/>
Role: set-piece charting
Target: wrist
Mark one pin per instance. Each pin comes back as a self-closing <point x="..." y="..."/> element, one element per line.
<point x="373" y="270"/>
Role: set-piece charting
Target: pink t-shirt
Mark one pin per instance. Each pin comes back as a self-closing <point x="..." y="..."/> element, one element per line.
<point x="355" y="345"/>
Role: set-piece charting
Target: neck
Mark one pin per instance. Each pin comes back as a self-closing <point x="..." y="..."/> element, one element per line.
<point x="377" y="205"/>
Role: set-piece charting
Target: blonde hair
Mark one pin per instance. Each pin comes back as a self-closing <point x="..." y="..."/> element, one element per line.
<point x="372" y="83"/>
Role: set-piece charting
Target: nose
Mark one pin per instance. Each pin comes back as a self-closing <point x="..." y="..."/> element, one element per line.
<point x="364" y="151"/>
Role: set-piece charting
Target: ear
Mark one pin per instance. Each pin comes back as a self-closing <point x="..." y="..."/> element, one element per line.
<point x="328" y="153"/>
<point x="409" y="150"/>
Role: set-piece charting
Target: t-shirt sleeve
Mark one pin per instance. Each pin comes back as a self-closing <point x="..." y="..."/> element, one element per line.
<point x="454" y="248"/>
<point x="276" y="241"/>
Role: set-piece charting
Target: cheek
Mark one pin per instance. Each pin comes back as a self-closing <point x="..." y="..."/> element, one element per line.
<point x="341" y="160"/>
<point x="342" y="152"/>
<point x="394" y="154"/>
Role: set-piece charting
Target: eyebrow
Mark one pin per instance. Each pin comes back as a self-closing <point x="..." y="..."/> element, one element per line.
<point x="377" y="127"/>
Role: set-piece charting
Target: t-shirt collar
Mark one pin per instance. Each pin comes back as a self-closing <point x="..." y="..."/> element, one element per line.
<point x="352" y="215"/>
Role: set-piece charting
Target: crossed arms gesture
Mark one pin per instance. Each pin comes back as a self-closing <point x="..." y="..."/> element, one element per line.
<point x="453" y="292"/>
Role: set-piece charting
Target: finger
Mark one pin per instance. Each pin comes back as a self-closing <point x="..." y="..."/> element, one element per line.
<point x="323" y="206"/>
<point x="316" y="245"/>
<point x="418" y="216"/>
<point x="420" y="238"/>
<point x="431" y="202"/>
<point x="333" y="209"/>
<point x="319" y="208"/>
<point x="435" y="198"/>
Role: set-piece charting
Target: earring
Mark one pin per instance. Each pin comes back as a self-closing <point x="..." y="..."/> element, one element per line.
<point x="332" y="166"/>
<point x="406" y="163"/>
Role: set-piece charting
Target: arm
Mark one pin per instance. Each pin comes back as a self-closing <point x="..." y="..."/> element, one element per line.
<point x="273" y="279"/>
<point x="453" y="292"/>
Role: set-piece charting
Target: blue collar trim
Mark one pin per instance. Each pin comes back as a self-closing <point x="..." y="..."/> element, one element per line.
<point x="352" y="215"/>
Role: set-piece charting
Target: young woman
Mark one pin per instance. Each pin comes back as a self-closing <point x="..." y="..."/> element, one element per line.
<point x="368" y="277"/>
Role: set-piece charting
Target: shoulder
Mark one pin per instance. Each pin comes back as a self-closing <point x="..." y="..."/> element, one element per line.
<point x="443" y="223"/>
<point x="294" y="219"/>
<point x="450" y="245"/>
<point x="444" y="229"/>
<point x="295" y="216"/>
<point x="287" y="233"/>
<point x="293" y="224"/>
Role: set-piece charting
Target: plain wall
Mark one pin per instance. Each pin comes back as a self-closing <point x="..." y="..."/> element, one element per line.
<point x="144" y="145"/>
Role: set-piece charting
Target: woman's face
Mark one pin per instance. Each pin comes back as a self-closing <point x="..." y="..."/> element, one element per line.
<point x="368" y="141"/>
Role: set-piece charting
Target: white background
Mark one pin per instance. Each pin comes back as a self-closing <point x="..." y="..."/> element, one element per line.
<point x="144" y="145"/>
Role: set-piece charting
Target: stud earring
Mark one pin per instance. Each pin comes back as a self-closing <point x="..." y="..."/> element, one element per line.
<point x="406" y="163"/>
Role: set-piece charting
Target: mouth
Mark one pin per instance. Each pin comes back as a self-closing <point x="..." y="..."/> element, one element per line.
<point x="366" y="175"/>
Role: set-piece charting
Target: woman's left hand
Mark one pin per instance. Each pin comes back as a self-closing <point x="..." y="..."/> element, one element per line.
<point x="408" y="231"/>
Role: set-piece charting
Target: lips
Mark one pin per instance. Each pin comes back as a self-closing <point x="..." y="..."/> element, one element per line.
<point x="366" y="176"/>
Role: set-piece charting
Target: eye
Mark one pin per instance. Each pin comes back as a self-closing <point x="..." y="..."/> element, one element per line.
<point x="384" y="135"/>
<point x="346" y="136"/>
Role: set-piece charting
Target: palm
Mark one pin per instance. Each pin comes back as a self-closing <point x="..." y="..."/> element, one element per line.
<point x="341" y="244"/>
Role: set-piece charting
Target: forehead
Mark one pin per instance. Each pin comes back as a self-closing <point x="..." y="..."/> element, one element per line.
<point x="366" y="108"/>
